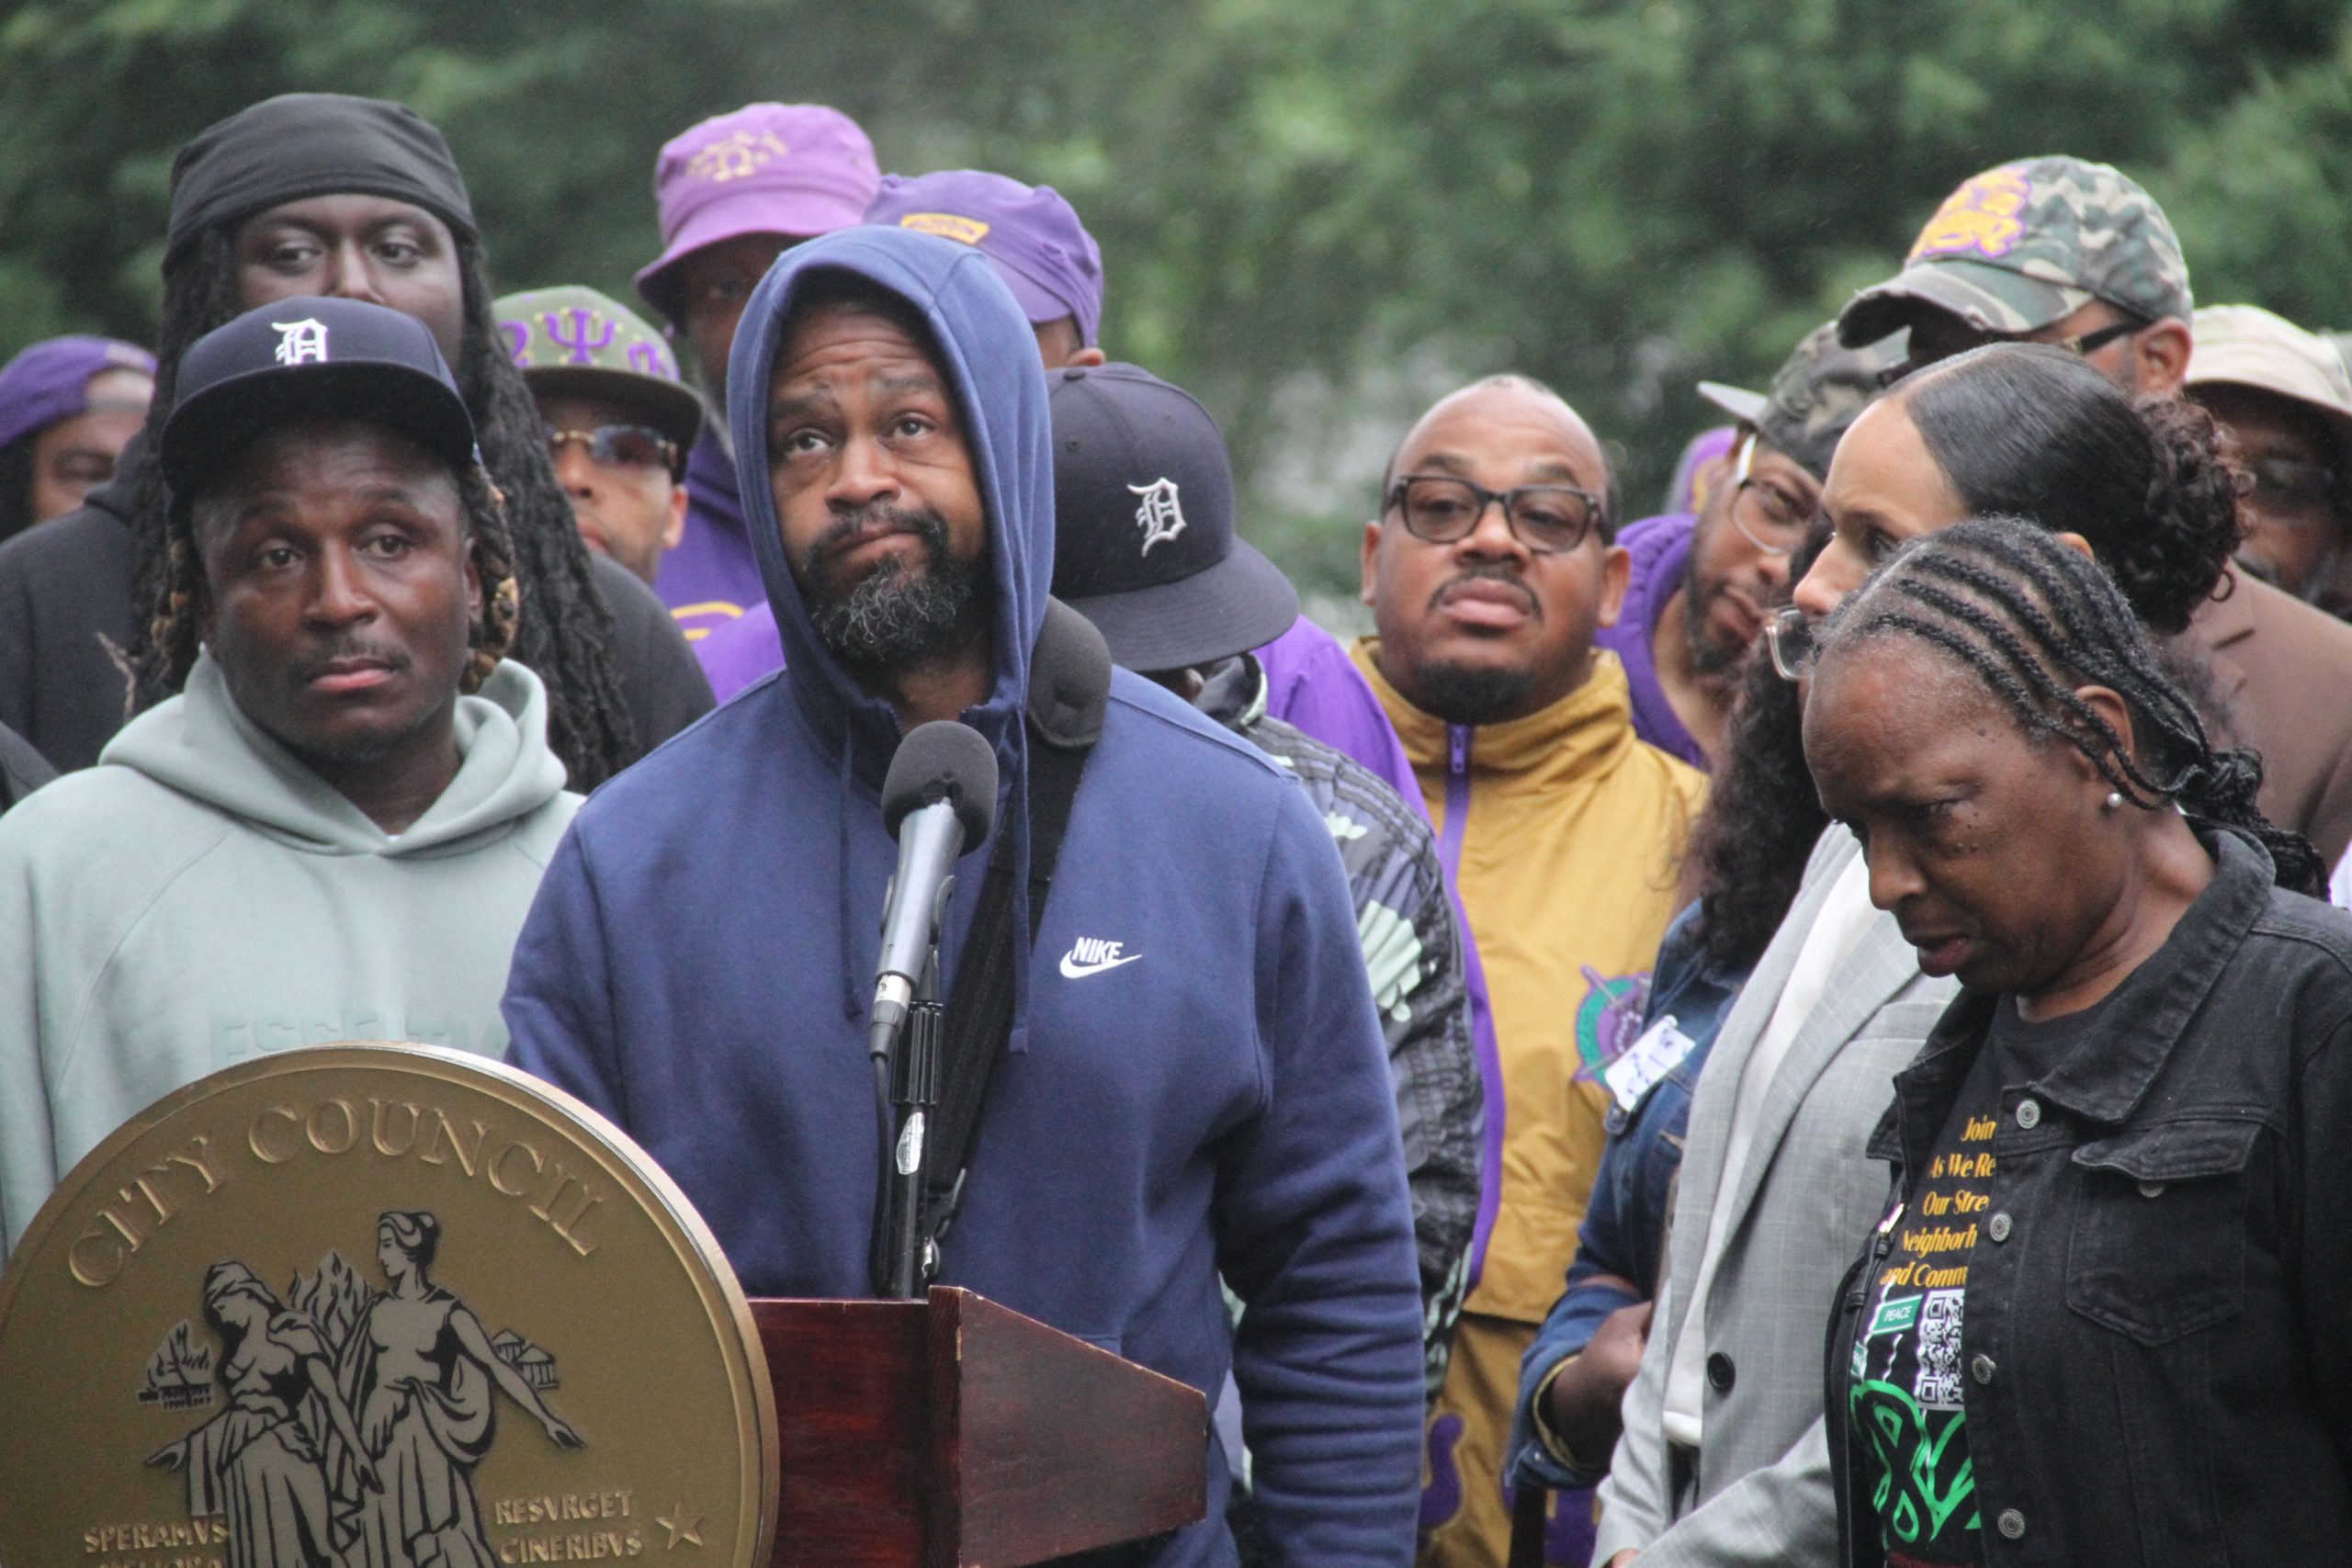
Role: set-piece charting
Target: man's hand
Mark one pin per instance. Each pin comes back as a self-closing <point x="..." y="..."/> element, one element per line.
<point x="1623" y="1558"/>
<point x="1582" y="1404"/>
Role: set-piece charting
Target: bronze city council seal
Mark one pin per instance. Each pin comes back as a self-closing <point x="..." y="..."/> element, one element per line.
<point x="377" y="1306"/>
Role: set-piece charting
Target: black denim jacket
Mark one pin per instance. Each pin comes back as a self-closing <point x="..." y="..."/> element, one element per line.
<point x="2158" y="1353"/>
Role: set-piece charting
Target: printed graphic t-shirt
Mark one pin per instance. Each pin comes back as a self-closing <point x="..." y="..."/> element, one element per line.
<point x="1906" y="1412"/>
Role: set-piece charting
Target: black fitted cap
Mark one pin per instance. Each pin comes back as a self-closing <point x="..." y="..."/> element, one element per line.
<point x="307" y="360"/>
<point x="1143" y="524"/>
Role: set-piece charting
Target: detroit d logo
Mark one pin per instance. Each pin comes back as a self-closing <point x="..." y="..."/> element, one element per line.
<point x="301" y="343"/>
<point x="1162" y="515"/>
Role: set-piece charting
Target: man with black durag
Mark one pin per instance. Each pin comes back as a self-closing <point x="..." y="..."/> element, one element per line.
<point x="321" y="194"/>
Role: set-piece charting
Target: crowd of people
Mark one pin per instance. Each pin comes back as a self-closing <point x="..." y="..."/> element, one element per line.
<point x="1804" y="1028"/>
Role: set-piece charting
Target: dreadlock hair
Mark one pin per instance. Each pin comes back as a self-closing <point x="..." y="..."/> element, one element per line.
<point x="567" y="635"/>
<point x="2033" y="619"/>
<point x="16" y="486"/>
<point x="2029" y="430"/>
<point x="1763" y="816"/>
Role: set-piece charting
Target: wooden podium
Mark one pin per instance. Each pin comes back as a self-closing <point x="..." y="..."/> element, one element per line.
<point x="954" y="1432"/>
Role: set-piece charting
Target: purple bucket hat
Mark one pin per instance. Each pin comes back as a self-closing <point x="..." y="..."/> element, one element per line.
<point x="1041" y="250"/>
<point x="49" y="381"/>
<point x="793" y="169"/>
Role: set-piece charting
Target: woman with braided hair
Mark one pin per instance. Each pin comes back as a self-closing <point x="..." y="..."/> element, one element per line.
<point x="1777" y="1188"/>
<point x="319" y="194"/>
<point x="2103" y="1318"/>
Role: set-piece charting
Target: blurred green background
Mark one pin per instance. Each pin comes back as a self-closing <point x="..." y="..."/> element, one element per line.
<point x="1316" y="215"/>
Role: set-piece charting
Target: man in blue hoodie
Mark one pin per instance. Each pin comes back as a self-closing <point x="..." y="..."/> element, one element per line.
<point x="1213" y="1101"/>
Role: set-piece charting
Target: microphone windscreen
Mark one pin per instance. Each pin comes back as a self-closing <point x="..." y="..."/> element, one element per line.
<point x="943" y="760"/>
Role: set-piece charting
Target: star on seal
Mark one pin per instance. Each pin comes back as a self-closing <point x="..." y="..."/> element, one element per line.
<point x="682" y="1526"/>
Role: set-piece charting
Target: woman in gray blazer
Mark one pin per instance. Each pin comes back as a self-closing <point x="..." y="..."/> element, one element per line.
<point x="1723" y="1459"/>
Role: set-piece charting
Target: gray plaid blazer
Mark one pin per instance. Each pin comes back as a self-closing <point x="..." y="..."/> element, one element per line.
<point x="1758" y="1491"/>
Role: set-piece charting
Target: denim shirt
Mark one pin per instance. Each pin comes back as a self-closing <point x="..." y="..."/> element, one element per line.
<point x="2159" y="1300"/>
<point x="1623" y="1232"/>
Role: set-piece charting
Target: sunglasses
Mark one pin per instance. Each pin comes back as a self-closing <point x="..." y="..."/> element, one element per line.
<point x="619" y="446"/>
<point x="2288" y="484"/>
<point x="2084" y="344"/>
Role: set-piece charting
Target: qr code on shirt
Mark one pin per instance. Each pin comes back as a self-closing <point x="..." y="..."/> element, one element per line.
<point x="1937" y="1386"/>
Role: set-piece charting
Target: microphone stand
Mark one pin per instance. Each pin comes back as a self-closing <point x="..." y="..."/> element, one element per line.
<point x="914" y="1090"/>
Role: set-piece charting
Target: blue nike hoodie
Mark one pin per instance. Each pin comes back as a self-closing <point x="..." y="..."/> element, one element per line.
<point x="1216" y="1102"/>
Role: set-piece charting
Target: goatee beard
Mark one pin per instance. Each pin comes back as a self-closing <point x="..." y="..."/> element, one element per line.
<point x="1459" y="694"/>
<point x="893" y="618"/>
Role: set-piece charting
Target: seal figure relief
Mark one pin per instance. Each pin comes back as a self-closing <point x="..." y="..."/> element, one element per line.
<point x="356" y="1416"/>
<point x="377" y="1306"/>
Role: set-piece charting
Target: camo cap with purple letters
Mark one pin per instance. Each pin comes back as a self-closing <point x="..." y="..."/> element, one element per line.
<point x="2024" y="245"/>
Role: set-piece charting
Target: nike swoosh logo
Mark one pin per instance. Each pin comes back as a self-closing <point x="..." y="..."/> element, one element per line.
<point x="1073" y="970"/>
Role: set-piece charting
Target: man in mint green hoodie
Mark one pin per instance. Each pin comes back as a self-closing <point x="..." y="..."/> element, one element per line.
<point x="335" y="831"/>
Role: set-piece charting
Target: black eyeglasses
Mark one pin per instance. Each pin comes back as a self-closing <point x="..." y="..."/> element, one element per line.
<point x="2082" y="344"/>
<point x="1766" y="514"/>
<point x="1443" y="510"/>
<point x="2290" y="484"/>
<point x="619" y="446"/>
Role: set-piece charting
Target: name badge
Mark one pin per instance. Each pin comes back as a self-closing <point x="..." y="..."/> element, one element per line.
<point x="1658" y="1052"/>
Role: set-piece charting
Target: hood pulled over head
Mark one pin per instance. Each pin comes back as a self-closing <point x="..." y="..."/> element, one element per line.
<point x="988" y="357"/>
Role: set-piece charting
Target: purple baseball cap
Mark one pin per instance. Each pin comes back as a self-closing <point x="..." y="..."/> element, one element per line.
<point x="51" y="380"/>
<point x="1042" y="251"/>
<point x="793" y="169"/>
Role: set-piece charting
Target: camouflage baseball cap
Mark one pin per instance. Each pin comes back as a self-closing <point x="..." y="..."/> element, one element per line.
<point x="573" y="340"/>
<point x="1818" y="391"/>
<point x="2021" y="245"/>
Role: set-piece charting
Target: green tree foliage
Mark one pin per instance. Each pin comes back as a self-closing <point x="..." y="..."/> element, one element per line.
<point x="1316" y="215"/>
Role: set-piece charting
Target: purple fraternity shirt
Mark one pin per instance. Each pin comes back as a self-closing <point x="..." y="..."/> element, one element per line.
<point x="712" y="578"/>
<point x="740" y="652"/>
<point x="1313" y="685"/>
<point x="1660" y="545"/>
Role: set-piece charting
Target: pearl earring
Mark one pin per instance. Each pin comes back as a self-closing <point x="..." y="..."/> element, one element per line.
<point x="2114" y="800"/>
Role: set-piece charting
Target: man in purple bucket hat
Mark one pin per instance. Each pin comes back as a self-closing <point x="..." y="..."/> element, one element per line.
<point x="68" y="406"/>
<point x="735" y="192"/>
<point x="1041" y="250"/>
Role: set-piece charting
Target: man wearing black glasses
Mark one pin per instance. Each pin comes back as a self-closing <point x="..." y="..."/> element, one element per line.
<point x="1490" y="569"/>
<point x="1701" y="586"/>
<point x="620" y="421"/>
<point x="2044" y="249"/>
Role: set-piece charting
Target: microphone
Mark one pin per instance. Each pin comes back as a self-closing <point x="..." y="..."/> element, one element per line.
<point x="938" y="800"/>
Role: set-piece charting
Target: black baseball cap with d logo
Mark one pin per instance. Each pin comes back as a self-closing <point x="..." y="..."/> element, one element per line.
<point x="304" y="359"/>
<point x="1143" y="524"/>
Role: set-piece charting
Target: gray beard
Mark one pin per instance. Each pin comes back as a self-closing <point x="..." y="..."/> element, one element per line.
<point x="890" y="621"/>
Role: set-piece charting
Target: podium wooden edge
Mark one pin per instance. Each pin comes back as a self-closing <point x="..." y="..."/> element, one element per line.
<point x="957" y="1433"/>
<point x="1031" y="1485"/>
